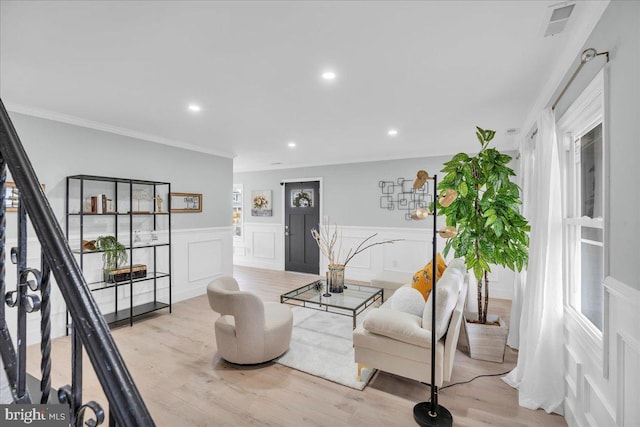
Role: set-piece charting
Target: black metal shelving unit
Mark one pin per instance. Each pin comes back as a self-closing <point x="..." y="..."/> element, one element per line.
<point x="121" y="190"/>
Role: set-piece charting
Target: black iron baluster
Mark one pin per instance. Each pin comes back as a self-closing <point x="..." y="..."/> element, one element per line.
<point x="45" y="330"/>
<point x="76" y="374"/>
<point x="21" y="262"/>
<point x="7" y="350"/>
<point x="73" y="394"/>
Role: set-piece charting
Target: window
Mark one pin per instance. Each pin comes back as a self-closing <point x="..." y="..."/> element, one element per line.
<point x="236" y="214"/>
<point x="584" y="185"/>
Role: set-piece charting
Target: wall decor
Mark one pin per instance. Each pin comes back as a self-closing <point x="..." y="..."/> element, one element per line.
<point x="11" y="196"/>
<point x="185" y="202"/>
<point x="302" y="198"/>
<point x="261" y="203"/>
<point x="401" y="195"/>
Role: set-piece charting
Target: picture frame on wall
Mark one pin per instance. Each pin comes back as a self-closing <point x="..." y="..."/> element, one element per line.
<point x="261" y="204"/>
<point x="185" y="202"/>
<point x="12" y="196"/>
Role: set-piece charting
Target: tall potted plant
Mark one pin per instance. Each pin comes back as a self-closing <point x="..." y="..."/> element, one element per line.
<point x="491" y="230"/>
<point x="113" y="256"/>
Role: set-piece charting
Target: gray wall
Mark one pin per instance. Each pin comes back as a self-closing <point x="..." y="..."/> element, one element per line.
<point x="351" y="193"/>
<point x="57" y="150"/>
<point x="619" y="33"/>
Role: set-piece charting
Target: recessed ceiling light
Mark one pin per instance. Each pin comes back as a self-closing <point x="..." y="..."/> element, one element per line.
<point x="392" y="132"/>
<point x="329" y="75"/>
<point x="291" y="144"/>
<point x="194" y="108"/>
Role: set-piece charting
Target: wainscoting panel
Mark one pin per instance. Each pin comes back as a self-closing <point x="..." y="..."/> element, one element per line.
<point x="205" y="259"/>
<point x="264" y="243"/>
<point x="199" y="255"/>
<point x="603" y="370"/>
<point x="262" y="246"/>
<point x="628" y="387"/>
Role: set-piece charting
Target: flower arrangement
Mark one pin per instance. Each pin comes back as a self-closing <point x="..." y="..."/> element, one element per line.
<point x="303" y="200"/>
<point x="260" y="202"/>
<point x="329" y="240"/>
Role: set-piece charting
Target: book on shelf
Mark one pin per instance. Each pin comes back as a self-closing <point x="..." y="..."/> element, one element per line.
<point x="99" y="204"/>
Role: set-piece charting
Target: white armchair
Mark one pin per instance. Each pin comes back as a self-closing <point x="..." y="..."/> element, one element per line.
<point x="400" y="343"/>
<point x="248" y="331"/>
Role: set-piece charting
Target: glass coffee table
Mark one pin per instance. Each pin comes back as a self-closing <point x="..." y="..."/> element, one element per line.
<point x="351" y="302"/>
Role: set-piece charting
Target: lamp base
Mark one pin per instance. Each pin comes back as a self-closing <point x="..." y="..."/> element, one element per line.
<point x="423" y="416"/>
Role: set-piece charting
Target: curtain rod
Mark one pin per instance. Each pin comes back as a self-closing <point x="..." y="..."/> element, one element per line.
<point x="587" y="55"/>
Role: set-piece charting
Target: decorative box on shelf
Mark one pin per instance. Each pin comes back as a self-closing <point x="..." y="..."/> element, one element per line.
<point x="136" y="271"/>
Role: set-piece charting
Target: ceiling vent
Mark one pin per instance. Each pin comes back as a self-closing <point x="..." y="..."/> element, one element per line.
<point x="560" y="14"/>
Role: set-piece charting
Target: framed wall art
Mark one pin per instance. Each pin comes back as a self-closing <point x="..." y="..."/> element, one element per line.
<point x="11" y="196"/>
<point x="185" y="202"/>
<point x="261" y="203"/>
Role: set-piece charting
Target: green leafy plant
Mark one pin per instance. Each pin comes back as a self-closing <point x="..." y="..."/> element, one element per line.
<point x="486" y="212"/>
<point x="114" y="253"/>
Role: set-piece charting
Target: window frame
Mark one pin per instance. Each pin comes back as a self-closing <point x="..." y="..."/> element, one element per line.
<point x="585" y="114"/>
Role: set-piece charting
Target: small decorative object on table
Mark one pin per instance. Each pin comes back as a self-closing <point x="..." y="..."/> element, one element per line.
<point x="317" y="285"/>
<point x="327" y="240"/>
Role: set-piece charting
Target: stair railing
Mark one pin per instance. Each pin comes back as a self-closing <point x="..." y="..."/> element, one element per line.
<point x="32" y="294"/>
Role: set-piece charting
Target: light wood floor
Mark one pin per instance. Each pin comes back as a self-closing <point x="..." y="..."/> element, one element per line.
<point x="173" y="360"/>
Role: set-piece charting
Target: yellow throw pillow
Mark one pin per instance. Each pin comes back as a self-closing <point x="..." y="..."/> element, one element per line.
<point x="422" y="279"/>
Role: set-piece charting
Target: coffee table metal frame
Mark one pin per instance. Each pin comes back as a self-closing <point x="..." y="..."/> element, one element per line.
<point x="311" y="296"/>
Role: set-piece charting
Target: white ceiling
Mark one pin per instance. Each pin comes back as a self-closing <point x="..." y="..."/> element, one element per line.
<point x="433" y="70"/>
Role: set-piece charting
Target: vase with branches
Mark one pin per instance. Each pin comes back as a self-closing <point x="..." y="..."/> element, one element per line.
<point x="329" y="240"/>
<point x="486" y="212"/>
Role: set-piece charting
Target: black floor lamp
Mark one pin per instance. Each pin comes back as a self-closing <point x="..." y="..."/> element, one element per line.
<point x="431" y="413"/>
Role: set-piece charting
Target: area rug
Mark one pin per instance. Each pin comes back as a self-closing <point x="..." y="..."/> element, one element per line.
<point x="322" y="345"/>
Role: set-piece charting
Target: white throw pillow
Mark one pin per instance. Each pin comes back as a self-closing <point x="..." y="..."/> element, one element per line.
<point x="408" y="300"/>
<point x="451" y="277"/>
<point x="459" y="264"/>
<point x="397" y="325"/>
<point x="447" y="290"/>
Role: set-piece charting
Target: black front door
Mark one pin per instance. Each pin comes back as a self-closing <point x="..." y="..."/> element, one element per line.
<point x="302" y="213"/>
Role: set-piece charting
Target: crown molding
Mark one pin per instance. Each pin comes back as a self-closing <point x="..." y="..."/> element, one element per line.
<point x="77" y="121"/>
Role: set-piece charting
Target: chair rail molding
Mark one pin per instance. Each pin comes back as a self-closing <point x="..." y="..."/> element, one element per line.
<point x="407" y="256"/>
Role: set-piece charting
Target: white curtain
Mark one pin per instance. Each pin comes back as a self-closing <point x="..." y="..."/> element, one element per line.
<point x="539" y="372"/>
<point x="524" y="179"/>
